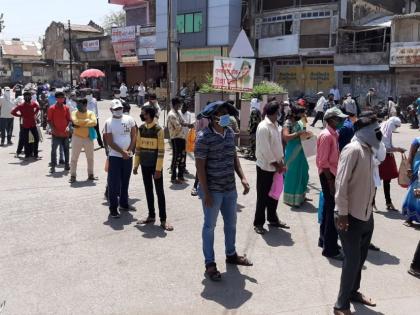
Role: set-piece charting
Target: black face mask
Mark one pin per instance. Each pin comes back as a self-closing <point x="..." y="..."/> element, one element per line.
<point x="142" y="117"/>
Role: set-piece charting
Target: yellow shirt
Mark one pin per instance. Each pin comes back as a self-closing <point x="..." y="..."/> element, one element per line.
<point x="83" y="121"/>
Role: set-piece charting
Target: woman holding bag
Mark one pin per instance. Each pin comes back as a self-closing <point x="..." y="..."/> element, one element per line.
<point x="411" y="205"/>
<point x="388" y="169"/>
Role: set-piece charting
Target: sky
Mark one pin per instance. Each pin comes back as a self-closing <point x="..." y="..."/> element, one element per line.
<point x="28" y="19"/>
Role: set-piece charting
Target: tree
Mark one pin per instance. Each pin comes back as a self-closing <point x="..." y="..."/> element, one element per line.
<point x="113" y="19"/>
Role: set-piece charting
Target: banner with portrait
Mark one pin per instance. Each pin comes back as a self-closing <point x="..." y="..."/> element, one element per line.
<point x="233" y="74"/>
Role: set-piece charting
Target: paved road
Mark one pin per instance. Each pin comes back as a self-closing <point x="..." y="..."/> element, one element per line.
<point x="59" y="253"/>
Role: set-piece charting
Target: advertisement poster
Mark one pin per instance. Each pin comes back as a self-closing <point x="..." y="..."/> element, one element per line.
<point x="123" y="34"/>
<point x="233" y="74"/>
<point x="90" y="45"/>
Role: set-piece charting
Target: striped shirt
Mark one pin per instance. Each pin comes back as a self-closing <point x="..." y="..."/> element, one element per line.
<point x="219" y="151"/>
<point x="150" y="146"/>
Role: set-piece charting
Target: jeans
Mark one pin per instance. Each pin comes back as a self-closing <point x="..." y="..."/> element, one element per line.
<point x="225" y="202"/>
<point x="148" y="172"/>
<point x="119" y="172"/>
<point x="179" y="155"/>
<point x="264" y="201"/>
<point x="416" y="260"/>
<point x="387" y="191"/>
<point x="98" y="134"/>
<point x="328" y="232"/>
<point x="355" y="247"/>
<point x="63" y="143"/>
<point x="27" y="145"/>
<point x="78" y="144"/>
<point x="140" y="100"/>
<point x="6" y="129"/>
<point x="318" y="116"/>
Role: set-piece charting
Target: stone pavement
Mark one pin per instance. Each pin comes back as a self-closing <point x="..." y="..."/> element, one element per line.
<point x="60" y="254"/>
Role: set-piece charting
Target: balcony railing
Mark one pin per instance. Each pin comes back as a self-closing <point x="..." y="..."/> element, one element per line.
<point x="362" y="48"/>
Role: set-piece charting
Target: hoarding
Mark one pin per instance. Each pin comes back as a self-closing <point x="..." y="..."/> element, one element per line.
<point x="233" y="74"/>
<point x="405" y="55"/>
<point x="123" y="34"/>
<point x="90" y="45"/>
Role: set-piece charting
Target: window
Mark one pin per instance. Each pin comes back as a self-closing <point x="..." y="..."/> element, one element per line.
<point x="276" y="29"/>
<point x="346" y="78"/>
<point x="189" y="23"/>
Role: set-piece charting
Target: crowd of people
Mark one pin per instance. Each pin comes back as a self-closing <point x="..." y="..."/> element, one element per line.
<point x="355" y="153"/>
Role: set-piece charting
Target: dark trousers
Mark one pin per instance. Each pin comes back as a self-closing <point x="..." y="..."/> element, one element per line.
<point x="21" y="143"/>
<point x="264" y="182"/>
<point x="416" y="260"/>
<point x="179" y="156"/>
<point x="63" y="144"/>
<point x="98" y="134"/>
<point x="148" y="172"/>
<point x="387" y="191"/>
<point x="196" y="181"/>
<point x="318" y="116"/>
<point x="355" y="244"/>
<point x="6" y="129"/>
<point x="25" y="135"/>
<point x="119" y="172"/>
<point x="328" y="232"/>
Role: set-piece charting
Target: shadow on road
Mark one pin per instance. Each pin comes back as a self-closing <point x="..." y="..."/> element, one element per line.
<point x="363" y="310"/>
<point x="305" y="207"/>
<point x="118" y="224"/>
<point x="230" y="292"/>
<point x="87" y="183"/>
<point x="276" y="237"/>
<point x="151" y="231"/>
<point x="395" y="215"/>
<point x="239" y="207"/>
<point x="382" y="258"/>
<point x="178" y="186"/>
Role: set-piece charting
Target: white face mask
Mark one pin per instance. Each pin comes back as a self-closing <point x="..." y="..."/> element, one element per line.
<point x="117" y="113"/>
<point x="89" y="97"/>
<point x="117" y="95"/>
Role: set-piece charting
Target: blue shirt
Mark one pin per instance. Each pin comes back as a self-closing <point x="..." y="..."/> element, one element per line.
<point x="345" y="134"/>
<point x="418" y="105"/>
<point x="51" y="100"/>
<point x="219" y="152"/>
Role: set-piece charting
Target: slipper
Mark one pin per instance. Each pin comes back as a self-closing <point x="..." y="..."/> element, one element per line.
<point x="259" y="230"/>
<point x="360" y="298"/>
<point x="238" y="260"/>
<point x="279" y="224"/>
<point x="408" y="223"/>
<point x="212" y="272"/>
<point x="166" y="226"/>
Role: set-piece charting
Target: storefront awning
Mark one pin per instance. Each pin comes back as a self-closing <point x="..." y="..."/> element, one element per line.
<point x="361" y="68"/>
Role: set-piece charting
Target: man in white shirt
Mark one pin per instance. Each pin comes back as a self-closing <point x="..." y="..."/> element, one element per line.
<point x="269" y="154"/>
<point x="349" y="105"/>
<point x="92" y="105"/>
<point x="319" y="108"/>
<point x="120" y="136"/>
<point x="6" y="118"/>
<point x="336" y="92"/>
<point x="123" y="90"/>
<point x="142" y="93"/>
<point x="153" y="102"/>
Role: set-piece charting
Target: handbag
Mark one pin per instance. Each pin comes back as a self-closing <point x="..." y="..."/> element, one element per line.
<point x="403" y="178"/>
<point x="92" y="133"/>
<point x="276" y="186"/>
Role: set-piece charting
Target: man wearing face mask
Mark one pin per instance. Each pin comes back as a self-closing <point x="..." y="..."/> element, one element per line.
<point x="125" y="104"/>
<point x="120" y="137"/>
<point x="217" y="162"/>
<point x="6" y="118"/>
<point x="327" y="162"/>
<point x="355" y="191"/>
<point x="82" y="120"/>
<point x="153" y="102"/>
<point x="28" y="111"/>
<point x="59" y="120"/>
<point x="92" y="105"/>
<point x="349" y="105"/>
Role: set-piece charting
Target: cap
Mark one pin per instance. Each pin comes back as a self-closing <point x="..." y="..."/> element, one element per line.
<point x="6" y="88"/>
<point x="211" y="108"/>
<point x="348" y="94"/>
<point x="320" y="93"/>
<point x="334" y="112"/>
<point x="116" y="104"/>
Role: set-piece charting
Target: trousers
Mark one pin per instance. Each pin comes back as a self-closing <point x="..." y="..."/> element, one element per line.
<point x="6" y="129"/>
<point x="264" y="201"/>
<point x="119" y="173"/>
<point x="148" y="173"/>
<point x="77" y="144"/>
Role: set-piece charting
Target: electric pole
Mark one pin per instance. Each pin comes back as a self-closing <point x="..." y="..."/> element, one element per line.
<point x="1" y="22"/>
<point x="172" y="62"/>
<point x="71" y="57"/>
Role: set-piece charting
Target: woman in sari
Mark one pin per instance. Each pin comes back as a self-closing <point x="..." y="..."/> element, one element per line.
<point x="297" y="174"/>
<point x="411" y="205"/>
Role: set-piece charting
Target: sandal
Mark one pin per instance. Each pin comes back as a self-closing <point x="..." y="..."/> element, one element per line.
<point x="360" y="298"/>
<point x="72" y="179"/>
<point x="408" y="223"/>
<point x="390" y="207"/>
<point x="238" y="260"/>
<point x="279" y="224"/>
<point x="212" y="272"/>
<point x="147" y="220"/>
<point x="259" y="230"/>
<point x="166" y="226"/>
<point x="194" y="192"/>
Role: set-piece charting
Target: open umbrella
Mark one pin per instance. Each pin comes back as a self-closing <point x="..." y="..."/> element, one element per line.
<point x="92" y="73"/>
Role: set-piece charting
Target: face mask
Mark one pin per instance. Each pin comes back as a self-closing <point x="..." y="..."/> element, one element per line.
<point x="81" y="108"/>
<point x="142" y="117"/>
<point x="340" y="125"/>
<point x="224" y="120"/>
<point x="117" y="95"/>
<point x="89" y="97"/>
<point x="117" y="113"/>
<point x="370" y="135"/>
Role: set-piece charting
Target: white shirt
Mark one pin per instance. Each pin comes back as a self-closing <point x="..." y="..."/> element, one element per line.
<point x="6" y="106"/>
<point x="336" y="93"/>
<point x="92" y="105"/>
<point x="319" y="107"/>
<point x="123" y="90"/>
<point x="72" y="105"/>
<point x="378" y="157"/>
<point x="188" y="120"/>
<point x="156" y="106"/>
<point x="120" y="128"/>
<point x="269" y="146"/>
<point x="142" y="90"/>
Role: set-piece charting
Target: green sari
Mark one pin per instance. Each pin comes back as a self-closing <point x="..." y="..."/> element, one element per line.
<point x="297" y="174"/>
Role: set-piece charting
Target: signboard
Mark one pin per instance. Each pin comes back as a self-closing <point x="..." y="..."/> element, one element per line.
<point x="233" y="74"/>
<point x="146" y="47"/>
<point x="129" y="61"/>
<point x="90" y="45"/>
<point x="123" y="34"/>
<point x="405" y="55"/>
<point x="127" y="49"/>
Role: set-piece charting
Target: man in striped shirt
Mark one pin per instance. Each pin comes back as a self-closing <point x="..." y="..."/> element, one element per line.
<point x="150" y="149"/>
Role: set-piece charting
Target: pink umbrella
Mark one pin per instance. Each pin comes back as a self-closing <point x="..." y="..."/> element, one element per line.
<point x="92" y="73"/>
